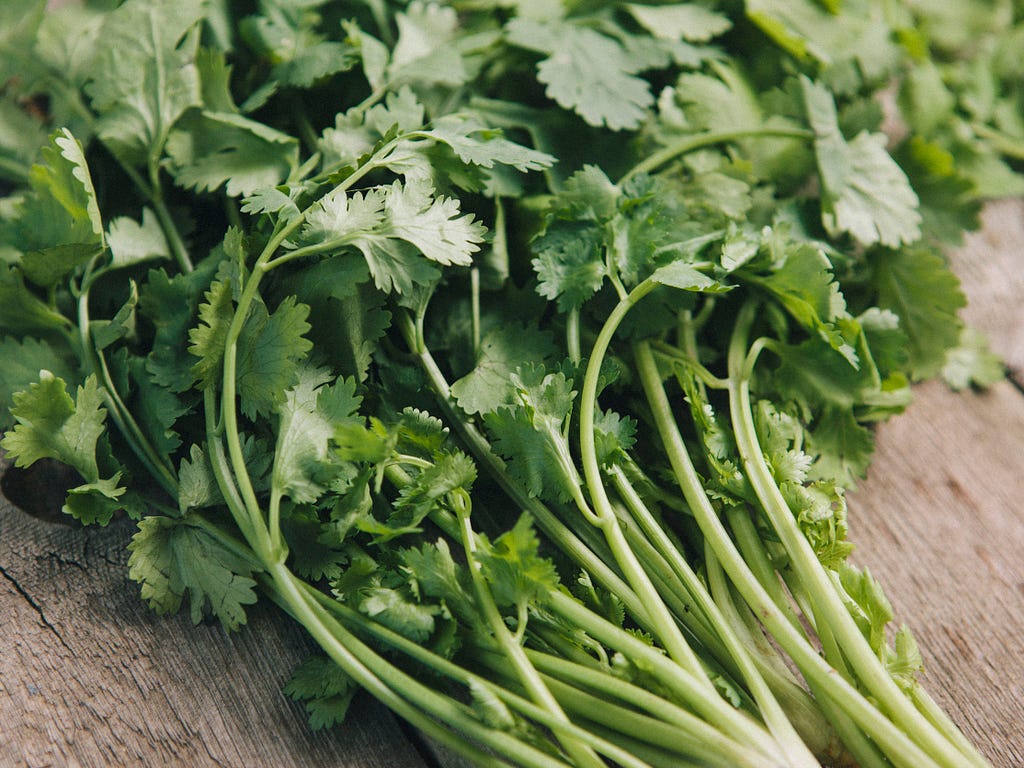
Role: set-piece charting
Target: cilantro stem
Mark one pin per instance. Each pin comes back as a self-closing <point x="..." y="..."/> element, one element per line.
<point x="157" y="465"/>
<point x="697" y="732"/>
<point x="666" y="628"/>
<point x="813" y="577"/>
<point x="459" y="674"/>
<point x="698" y="141"/>
<point x="691" y="688"/>
<point x="581" y="753"/>
<point x="572" y="335"/>
<point x="13" y="171"/>
<point x="897" y="744"/>
<point x="835" y="739"/>
<point x="560" y="534"/>
<point x="385" y="681"/>
<point x="222" y="472"/>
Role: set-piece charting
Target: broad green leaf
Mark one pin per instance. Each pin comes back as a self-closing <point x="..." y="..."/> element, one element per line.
<point x="325" y="689"/>
<point x="514" y="568"/>
<point x="269" y="350"/>
<point x="21" y="310"/>
<point x="971" y="363"/>
<point x="173" y="558"/>
<point x="208" y="338"/>
<point x="685" y="277"/>
<point x="52" y="425"/>
<point x="586" y="71"/>
<point x="144" y="76"/>
<point x="863" y="191"/>
<point x="569" y="263"/>
<point x="842" y="447"/>
<point x="502" y="350"/>
<point x="209" y="150"/>
<point x="308" y="417"/>
<point x="23" y="359"/>
<point x="918" y="286"/>
<point x="682" y="21"/>
<point x="132" y="243"/>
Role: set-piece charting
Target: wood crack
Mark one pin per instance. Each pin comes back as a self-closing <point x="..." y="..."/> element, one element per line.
<point x="35" y="606"/>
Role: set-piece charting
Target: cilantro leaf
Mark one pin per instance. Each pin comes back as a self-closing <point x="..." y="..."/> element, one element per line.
<point x="213" y="149"/>
<point x="308" y="416"/>
<point x="52" y="425"/>
<point x="971" y="363"/>
<point x="918" y="286"/>
<point x="326" y="690"/>
<point x="173" y="559"/>
<point x="686" y="21"/>
<point x="514" y="568"/>
<point x="489" y="385"/>
<point x="864" y="191"/>
<point x="530" y="433"/>
<point x="23" y="360"/>
<point x="207" y="340"/>
<point x="842" y="447"/>
<point x="132" y="243"/>
<point x="391" y="226"/>
<point x="144" y="76"/>
<point x="586" y="71"/>
<point x="269" y="350"/>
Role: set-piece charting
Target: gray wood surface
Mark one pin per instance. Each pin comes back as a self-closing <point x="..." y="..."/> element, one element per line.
<point x="940" y="519"/>
<point x="89" y="677"/>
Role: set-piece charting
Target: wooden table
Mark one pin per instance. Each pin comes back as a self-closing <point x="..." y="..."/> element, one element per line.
<point x="90" y="677"/>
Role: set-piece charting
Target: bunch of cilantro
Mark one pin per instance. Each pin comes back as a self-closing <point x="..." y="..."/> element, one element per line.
<point x="522" y="352"/>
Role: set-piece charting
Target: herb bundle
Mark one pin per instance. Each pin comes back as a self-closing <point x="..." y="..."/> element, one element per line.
<point x="522" y="352"/>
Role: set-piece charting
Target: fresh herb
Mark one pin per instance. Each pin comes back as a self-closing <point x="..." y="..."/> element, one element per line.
<point x="522" y="353"/>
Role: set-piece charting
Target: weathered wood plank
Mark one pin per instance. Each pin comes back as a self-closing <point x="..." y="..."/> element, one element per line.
<point x="939" y="520"/>
<point x="90" y="677"/>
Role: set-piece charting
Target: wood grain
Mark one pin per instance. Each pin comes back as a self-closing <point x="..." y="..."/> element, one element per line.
<point x="940" y="520"/>
<point x="90" y="677"/>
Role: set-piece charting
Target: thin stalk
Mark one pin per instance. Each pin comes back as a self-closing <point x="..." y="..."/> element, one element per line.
<point x="732" y="722"/>
<point x="688" y="144"/>
<point x="653" y="732"/>
<point x="684" y="723"/>
<point x="814" y="579"/>
<point x="384" y="681"/>
<point x="157" y="465"/>
<point x="750" y="544"/>
<point x="565" y="539"/>
<point x="453" y="671"/>
<point x="572" y="335"/>
<point x="580" y="752"/>
<point x="774" y="717"/>
<point x="222" y="474"/>
<point x="901" y="749"/>
<point x="474" y="294"/>
<point x="665" y="627"/>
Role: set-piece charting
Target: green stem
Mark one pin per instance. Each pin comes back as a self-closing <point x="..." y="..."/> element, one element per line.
<point x="222" y="472"/>
<point x="384" y="681"/>
<point x="564" y="538"/>
<point x="665" y="627"/>
<point x="901" y="749"/>
<point x="580" y="752"/>
<point x="157" y="465"/>
<point x="814" y="579"/>
<point x="699" y="141"/>
<point x="694" y="731"/>
<point x="772" y="713"/>
<point x="461" y="675"/>
<point x="715" y="710"/>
